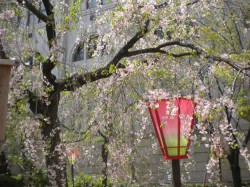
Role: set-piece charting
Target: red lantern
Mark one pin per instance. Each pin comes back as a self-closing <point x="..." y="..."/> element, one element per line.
<point x="173" y="120"/>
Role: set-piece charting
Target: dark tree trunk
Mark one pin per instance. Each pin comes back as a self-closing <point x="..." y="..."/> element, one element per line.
<point x="4" y="164"/>
<point x="50" y="130"/>
<point x="105" y="161"/>
<point x="55" y="160"/>
<point x="133" y="169"/>
<point x="233" y="159"/>
<point x="2" y="53"/>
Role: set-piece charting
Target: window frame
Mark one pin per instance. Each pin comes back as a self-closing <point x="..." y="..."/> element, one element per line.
<point x="96" y="3"/>
<point x="78" y="52"/>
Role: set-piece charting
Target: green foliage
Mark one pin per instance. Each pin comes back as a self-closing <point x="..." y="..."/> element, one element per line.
<point x="38" y="178"/>
<point x="243" y="102"/>
<point x="74" y="9"/>
<point x="21" y="106"/>
<point x="83" y="180"/>
<point x="197" y="185"/>
<point x="223" y="73"/>
<point x="99" y="139"/>
<point x="48" y="89"/>
<point x="104" y="72"/>
<point x="112" y="68"/>
<point x="13" y="181"/>
<point x="241" y="57"/>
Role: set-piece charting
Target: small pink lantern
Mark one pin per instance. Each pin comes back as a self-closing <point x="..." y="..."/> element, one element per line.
<point x="173" y="120"/>
<point x="5" y="70"/>
<point x="72" y="155"/>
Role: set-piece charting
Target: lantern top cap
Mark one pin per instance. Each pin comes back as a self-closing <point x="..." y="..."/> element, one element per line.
<point x="7" y="62"/>
<point x="173" y="98"/>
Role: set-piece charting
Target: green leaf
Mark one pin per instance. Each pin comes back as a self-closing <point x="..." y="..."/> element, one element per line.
<point x="112" y="68"/>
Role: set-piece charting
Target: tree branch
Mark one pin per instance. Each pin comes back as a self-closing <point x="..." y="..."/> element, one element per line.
<point x="158" y="49"/>
<point x="192" y="3"/>
<point x="77" y="81"/>
<point x="102" y="134"/>
<point x="198" y="51"/>
<point x="48" y="65"/>
<point x="2" y="52"/>
<point x="247" y="138"/>
<point x="37" y="105"/>
<point x="162" y="5"/>
<point x="50" y="24"/>
<point x="33" y="9"/>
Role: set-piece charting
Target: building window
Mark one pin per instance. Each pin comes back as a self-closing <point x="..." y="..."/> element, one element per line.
<point x="28" y="19"/>
<point x="159" y="32"/>
<point x="92" y="45"/>
<point x="86" y="51"/>
<point x="91" y="3"/>
<point x="79" y="53"/>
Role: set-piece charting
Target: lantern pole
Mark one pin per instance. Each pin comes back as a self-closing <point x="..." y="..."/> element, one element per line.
<point x="176" y="173"/>
<point x="72" y="175"/>
<point x="176" y="162"/>
<point x="5" y="69"/>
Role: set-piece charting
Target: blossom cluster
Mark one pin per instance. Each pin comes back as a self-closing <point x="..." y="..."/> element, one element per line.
<point x="33" y="143"/>
<point x="7" y="15"/>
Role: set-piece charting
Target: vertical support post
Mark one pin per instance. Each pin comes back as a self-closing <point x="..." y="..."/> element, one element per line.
<point x="72" y="174"/>
<point x="5" y="69"/>
<point x="176" y="173"/>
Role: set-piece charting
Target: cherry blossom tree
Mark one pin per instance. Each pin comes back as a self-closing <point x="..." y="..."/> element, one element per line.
<point x="157" y="49"/>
